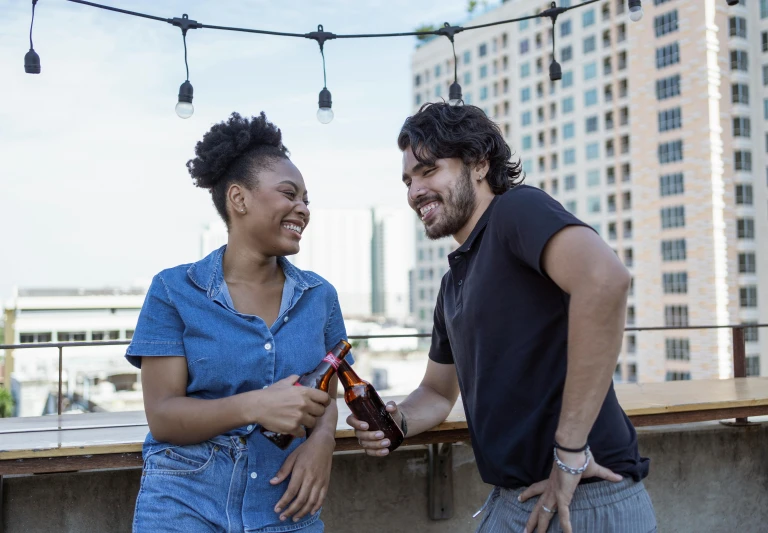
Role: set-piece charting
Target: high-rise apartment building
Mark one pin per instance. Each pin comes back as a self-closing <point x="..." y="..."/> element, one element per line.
<point x="656" y="137"/>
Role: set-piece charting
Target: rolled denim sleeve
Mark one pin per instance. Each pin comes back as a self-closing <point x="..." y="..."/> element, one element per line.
<point x="160" y="329"/>
<point x="334" y="329"/>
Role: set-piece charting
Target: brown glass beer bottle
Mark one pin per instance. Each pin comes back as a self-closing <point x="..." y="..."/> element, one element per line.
<point x="366" y="405"/>
<point x="319" y="378"/>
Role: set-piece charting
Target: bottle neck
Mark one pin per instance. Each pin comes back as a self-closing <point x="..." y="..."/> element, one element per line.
<point x="348" y="377"/>
<point x="337" y="355"/>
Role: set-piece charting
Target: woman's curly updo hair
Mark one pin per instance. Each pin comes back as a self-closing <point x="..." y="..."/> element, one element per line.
<point x="233" y="151"/>
<point x="443" y="131"/>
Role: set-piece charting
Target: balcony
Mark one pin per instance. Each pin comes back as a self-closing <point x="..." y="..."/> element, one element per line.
<point x="430" y="484"/>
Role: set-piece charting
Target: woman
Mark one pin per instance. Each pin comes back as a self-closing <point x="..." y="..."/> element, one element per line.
<point x="220" y="343"/>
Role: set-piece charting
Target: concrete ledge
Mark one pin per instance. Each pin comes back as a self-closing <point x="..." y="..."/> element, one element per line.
<point x="704" y="477"/>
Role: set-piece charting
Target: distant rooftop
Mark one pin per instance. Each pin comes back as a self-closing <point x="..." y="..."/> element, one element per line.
<point x="62" y="292"/>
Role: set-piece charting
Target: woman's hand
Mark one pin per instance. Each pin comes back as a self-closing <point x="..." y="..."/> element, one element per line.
<point x="310" y="469"/>
<point x="285" y="408"/>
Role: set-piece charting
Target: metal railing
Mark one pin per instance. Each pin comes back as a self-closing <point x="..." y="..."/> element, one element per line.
<point x="738" y="345"/>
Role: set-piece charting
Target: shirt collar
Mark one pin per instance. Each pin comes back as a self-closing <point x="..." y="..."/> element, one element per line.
<point x="208" y="273"/>
<point x="479" y="227"/>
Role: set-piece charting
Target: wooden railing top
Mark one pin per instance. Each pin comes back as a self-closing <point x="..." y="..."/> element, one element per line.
<point x="29" y="440"/>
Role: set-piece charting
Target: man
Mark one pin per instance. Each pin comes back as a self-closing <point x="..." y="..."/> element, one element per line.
<point x="528" y="326"/>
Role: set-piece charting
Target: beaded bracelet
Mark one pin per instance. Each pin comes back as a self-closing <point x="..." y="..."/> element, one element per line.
<point x="573" y="471"/>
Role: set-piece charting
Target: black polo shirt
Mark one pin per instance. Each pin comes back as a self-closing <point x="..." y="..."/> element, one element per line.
<point x="504" y="324"/>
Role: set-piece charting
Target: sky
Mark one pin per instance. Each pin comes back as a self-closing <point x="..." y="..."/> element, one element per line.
<point x="94" y="188"/>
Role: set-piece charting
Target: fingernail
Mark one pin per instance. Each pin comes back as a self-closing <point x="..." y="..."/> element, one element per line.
<point x="364" y="425"/>
<point x="295" y="519"/>
<point x="385" y="443"/>
<point x="275" y="479"/>
<point x="282" y="519"/>
<point x="384" y="452"/>
<point x="520" y="498"/>
<point x="277" y="510"/>
<point x="379" y="435"/>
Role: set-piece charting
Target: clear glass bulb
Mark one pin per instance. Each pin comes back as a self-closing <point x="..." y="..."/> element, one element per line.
<point x="185" y="109"/>
<point x="454" y="102"/>
<point x="325" y="115"/>
<point x="635" y="13"/>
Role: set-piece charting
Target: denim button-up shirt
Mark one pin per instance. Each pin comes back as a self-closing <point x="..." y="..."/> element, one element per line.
<point x="188" y="312"/>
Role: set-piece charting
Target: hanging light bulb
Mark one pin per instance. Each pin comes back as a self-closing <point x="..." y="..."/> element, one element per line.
<point x="635" y="10"/>
<point x="32" y="62"/>
<point x="184" y="108"/>
<point x="31" y="59"/>
<point x="454" y="94"/>
<point x="324" y="111"/>
<point x="555" y="71"/>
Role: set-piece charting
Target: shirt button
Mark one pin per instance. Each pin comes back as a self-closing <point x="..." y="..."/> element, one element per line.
<point x="285" y="319"/>
<point x="250" y="428"/>
<point x="265" y="386"/>
<point x="254" y="475"/>
<point x="268" y="346"/>
<point x="460" y="282"/>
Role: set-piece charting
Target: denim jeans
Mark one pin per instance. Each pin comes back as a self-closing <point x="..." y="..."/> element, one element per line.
<point x="200" y="488"/>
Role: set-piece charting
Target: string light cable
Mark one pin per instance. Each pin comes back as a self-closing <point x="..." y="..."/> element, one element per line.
<point x="185" y="109"/>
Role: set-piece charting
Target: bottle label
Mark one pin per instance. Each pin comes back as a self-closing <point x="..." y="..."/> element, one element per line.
<point x="332" y="360"/>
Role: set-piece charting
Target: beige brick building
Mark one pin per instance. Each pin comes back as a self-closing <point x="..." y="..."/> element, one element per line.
<point x="656" y="136"/>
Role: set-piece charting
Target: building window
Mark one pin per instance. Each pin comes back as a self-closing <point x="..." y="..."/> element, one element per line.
<point x="753" y="365"/>
<point x="612" y="235"/>
<point x="742" y="160"/>
<point x="748" y="296"/>
<point x="525" y="94"/>
<point x="764" y="38"/>
<point x="740" y="93"/>
<point x="673" y="217"/>
<point x="591" y="124"/>
<point x="482" y="51"/>
<point x="765" y="74"/>
<point x="763" y="9"/>
<point x="590" y="71"/>
<point x="565" y="28"/>
<point x="105" y="335"/>
<point x="438" y="90"/>
<point x="527" y="142"/>
<point x="593" y="204"/>
<point x="668" y="87"/>
<point x="566" y="54"/>
<point x="525" y="118"/>
<point x="678" y="376"/>
<point x="670" y="119"/>
<point x="484" y="94"/>
<point x="675" y="316"/>
<point x="627" y="229"/>
<point x="568" y="130"/>
<point x="678" y="349"/>
<point x="70" y="336"/>
<point x="666" y="23"/>
<point x="739" y="60"/>
<point x="593" y="151"/>
<point x="671" y="184"/>
<point x="467" y="57"/>
<point x="624" y="144"/>
<point x="611" y="200"/>
<point x="751" y="334"/>
<point x="589" y="44"/>
<point x="590" y="97"/>
<point x="670" y="152"/>
<point x="570" y="206"/>
<point x="569" y="156"/>
<point x="668" y="55"/>
<point x="631" y="339"/>
<point x="747" y="263"/>
<point x="568" y="105"/>
<point x="744" y="194"/>
<point x="437" y="71"/>
<point x="675" y="282"/>
<point x="570" y="183"/>
<point x="741" y="127"/>
<point x="745" y="228"/>
<point x="588" y="18"/>
<point x="673" y="250"/>
<point x="628" y="258"/>
<point x="524" y="46"/>
<point x="567" y="80"/>
<point x="737" y="27"/>
<point x="525" y="70"/>
<point x="29" y="338"/>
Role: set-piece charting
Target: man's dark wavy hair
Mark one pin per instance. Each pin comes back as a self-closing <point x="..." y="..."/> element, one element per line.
<point x="443" y="131"/>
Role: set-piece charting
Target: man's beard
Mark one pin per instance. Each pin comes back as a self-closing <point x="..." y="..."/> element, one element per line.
<point x="456" y="209"/>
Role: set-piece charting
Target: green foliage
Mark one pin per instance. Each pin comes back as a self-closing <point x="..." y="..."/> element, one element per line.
<point x="6" y="403"/>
